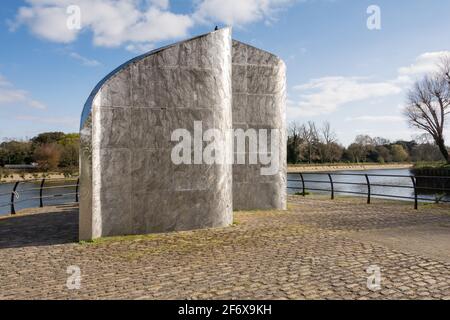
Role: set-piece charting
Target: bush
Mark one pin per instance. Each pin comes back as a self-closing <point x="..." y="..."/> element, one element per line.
<point x="47" y="156"/>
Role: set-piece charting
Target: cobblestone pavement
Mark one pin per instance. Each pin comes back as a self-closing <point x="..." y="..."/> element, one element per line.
<point x="313" y="251"/>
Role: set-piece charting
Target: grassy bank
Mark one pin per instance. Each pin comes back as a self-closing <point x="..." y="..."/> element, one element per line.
<point x="15" y="175"/>
<point x="432" y="165"/>
<point x="345" y="166"/>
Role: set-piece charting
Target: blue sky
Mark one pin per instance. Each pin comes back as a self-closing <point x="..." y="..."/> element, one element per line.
<point x="338" y="70"/>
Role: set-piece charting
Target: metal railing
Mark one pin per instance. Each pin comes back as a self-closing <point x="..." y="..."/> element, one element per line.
<point x="16" y="194"/>
<point x="368" y="184"/>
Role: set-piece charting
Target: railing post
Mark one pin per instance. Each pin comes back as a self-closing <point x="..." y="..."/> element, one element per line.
<point x="303" y="184"/>
<point x="413" y="179"/>
<point x="76" y="190"/>
<point x="41" y="203"/>
<point x="13" y="196"/>
<point x="368" y="189"/>
<point x="332" y="186"/>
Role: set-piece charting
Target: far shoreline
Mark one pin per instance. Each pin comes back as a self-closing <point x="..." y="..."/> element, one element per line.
<point x="291" y="169"/>
<point x="345" y="167"/>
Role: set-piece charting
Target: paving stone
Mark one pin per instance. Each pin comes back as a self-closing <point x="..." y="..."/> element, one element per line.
<point x="307" y="252"/>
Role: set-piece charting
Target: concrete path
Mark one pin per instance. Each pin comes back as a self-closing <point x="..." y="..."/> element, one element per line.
<point x="319" y="249"/>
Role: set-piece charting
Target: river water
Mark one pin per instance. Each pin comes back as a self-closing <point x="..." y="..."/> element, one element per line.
<point x="29" y="191"/>
<point x="60" y="192"/>
<point x="399" y="184"/>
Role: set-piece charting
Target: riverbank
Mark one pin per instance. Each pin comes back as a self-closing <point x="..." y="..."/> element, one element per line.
<point x="31" y="176"/>
<point x="345" y="167"/>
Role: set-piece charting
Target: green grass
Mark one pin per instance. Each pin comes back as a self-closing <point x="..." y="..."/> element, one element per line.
<point x="432" y="165"/>
<point x="120" y="238"/>
<point x="337" y="164"/>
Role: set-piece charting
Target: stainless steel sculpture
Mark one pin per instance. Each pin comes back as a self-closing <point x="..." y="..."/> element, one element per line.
<point x="129" y="185"/>
<point x="259" y="102"/>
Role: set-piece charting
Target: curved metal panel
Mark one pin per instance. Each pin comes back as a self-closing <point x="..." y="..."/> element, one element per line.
<point x="129" y="183"/>
<point x="259" y="103"/>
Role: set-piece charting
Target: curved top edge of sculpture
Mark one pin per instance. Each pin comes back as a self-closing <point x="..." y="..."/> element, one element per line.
<point x="261" y="50"/>
<point x="88" y="105"/>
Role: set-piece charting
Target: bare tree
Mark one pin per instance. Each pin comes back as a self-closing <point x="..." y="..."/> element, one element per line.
<point x="428" y="104"/>
<point x="328" y="135"/>
<point x="310" y="137"/>
<point x="445" y="68"/>
<point x="294" y="142"/>
<point x="328" y="147"/>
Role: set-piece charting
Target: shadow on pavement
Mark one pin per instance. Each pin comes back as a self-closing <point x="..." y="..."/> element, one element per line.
<point x="58" y="226"/>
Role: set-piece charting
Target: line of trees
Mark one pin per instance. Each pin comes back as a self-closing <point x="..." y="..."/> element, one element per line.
<point x="50" y="150"/>
<point x="309" y="143"/>
<point x="427" y="108"/>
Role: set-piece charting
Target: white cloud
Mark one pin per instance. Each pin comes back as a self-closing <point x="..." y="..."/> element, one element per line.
<point x="45" y="21"/>
<point x="140" y="47"/>
<point x="239" y="12"/>
<point x="382" y="119"/>
<point x="137" y="24"/>
<point x="84" y="61"/>
<point x="425" y="63"/>
<point x="112" y="23"/>
<point x="325" y="95"/>
<point x="11" y="95"/>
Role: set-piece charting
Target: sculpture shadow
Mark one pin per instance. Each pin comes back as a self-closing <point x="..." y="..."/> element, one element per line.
<point x="41" y="229"/>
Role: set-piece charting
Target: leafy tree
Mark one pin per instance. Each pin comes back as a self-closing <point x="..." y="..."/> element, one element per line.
<point x="69" y="155"/>
<point x="384" y="155"/>
<point x="15" y="152"/>
<point x="399" y="153"/>
<point x="356" y="153"/>
<point x="47" y="138"/>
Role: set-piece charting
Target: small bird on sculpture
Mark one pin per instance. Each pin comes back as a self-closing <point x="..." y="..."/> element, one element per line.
<point x="216" y="28"/>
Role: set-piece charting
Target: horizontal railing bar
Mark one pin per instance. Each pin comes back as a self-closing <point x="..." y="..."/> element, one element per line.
<point x="365" y="184"/>
<point x="38" y="180"/>
<point x="335" y="182"/>
<point x="432" y="188"/>
<point x="375" y="185"/>
<point x="391" y="186"/>
<point x="53" y="196"/>
<point x="372" y="175"/>
<point x="352" y="192"/>
<point x="48" y="188"/>
<point x="318" y="181"/>
<point x="350" y="183"/>
<point x="307" y="189"/>
<point x="316" y="189"/>
<point x="392" y="196"/>
<point x="373" y="194"/>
